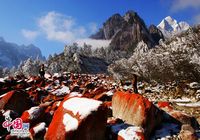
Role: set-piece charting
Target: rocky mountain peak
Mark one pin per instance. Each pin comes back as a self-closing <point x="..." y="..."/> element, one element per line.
<point x="132" y="17"/>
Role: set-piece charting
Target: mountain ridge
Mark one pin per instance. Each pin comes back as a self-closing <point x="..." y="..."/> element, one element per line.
<point x="12" y="54"/>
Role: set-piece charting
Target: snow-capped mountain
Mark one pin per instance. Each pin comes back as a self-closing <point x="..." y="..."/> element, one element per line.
<point x="12" y="54"/>
<point x="171" y="27"/>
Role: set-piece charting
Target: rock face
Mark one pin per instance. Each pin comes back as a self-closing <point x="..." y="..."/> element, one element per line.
<point x="125" y="31"/>
<point x="155" y="33"/>
<point x="136" y="110"/>
<point x="78" y="118"/>
<point x="93" y="65"/>
<point x="110" y="27"/>
<point x="132" y="32"/>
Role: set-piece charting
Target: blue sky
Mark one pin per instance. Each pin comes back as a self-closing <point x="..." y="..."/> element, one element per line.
<point x="50" y="24"/>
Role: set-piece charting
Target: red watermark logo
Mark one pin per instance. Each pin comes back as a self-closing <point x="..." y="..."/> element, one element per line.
<point x="20" y="129"/>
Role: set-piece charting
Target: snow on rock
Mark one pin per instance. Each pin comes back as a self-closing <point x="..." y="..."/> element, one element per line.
<point x="81" y="106"/>
<point x="2" y="80"/>
<point x="34" y="112"/>
<point x="131" y="133"/>
<point x="136" y="110"/>
<point x="47" y="76"/>
<point x="39" y="127"/>
<point x="127" y="132"/>
<point x="61" y="91"/>
<point x="73" y="94"/>
<point x="78" y="118"/>
<point x="70" y="123"/>
<point x="57" y="75"/>
<point x="194" y="85"/>
<point x="109" y="93"/>
<point x="33" y="115"/>
<point x="2" y="95"/>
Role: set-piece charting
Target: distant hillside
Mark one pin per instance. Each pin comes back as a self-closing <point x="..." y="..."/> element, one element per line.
<point x="12" y="54"/>
<point x="175" y="59"/>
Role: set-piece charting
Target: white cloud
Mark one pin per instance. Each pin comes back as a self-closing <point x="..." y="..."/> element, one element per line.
<point x="178" y="5"/>
<point x="196" y="19"/>
<point x="59" y="27"/>
<point x="30" y="35"/>
<point x="93" y="27"/>
<point x="93" y="42"/>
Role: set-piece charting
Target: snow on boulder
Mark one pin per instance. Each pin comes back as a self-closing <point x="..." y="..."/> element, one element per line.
<point x="38" y="131"/>
<point x="33" y="115"/>
<point x="194" y="85"/>
<point x="78" y="118"/>
<point x="63" y="90"/>
<point x="127" y="132"/>
<point x="136" y="110"/>
<point x="15" y="100"/>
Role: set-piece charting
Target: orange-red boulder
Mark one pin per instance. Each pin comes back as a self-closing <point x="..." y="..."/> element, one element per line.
<point x="78" y="118"/>
<point x="15" y="100"/>
<point x="136" y="110"/>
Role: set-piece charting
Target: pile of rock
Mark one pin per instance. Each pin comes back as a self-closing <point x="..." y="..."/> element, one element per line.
<point x="83" y="106"/>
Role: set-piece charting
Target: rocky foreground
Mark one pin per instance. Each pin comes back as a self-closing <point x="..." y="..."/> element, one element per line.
<point x="95" y="107"/>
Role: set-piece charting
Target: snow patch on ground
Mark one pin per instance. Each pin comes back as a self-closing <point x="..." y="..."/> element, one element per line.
<point x="82" y="106"/>
<point x="70" y="123"/>
<point x="180" y="100"/>
<point x="39" y="127"/>
<point x="196" y="104"/>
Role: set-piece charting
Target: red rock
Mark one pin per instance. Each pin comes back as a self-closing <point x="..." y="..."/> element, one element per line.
<point x="78" y="118"/>
<point x="15" y="100"/>
<point x="177" y="116"/>
<point x="34" y="115"/>
<point x="165" y="105"/>
<point x="181" y="117"/>
<point x="136" y="110"/>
